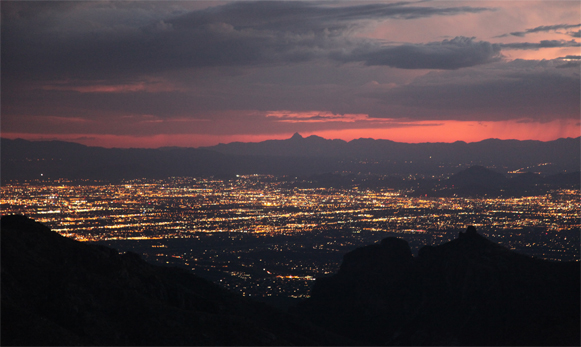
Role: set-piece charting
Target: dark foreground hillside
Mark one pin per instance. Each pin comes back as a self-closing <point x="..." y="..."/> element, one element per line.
<point x="469" y="291"/>
<point x="57" y="291"/>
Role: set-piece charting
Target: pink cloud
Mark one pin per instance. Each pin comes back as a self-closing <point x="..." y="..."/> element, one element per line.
<point x="319" y="117"/>
<point x="150" y="86"/>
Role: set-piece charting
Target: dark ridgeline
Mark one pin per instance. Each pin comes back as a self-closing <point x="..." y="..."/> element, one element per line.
<point x="480" y="181"/>
<point x="57" y="291"/>
<point x="312" y="155"/>
<point x="470" y="291"/>
<point x="476" y="181"/>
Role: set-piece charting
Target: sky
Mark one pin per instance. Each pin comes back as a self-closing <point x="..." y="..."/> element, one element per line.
<point x="192" y="73"/>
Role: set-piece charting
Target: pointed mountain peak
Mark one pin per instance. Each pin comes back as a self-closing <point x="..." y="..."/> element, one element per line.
<point x="296" y="136"/>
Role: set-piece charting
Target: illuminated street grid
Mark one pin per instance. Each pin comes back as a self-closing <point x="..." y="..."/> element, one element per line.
<point x="256" y="230"/>
<point x="178" y="207"/>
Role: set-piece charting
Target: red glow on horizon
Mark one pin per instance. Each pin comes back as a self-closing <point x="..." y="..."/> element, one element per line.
<point x="472" y="131"/>
<point x="417" y="132"/>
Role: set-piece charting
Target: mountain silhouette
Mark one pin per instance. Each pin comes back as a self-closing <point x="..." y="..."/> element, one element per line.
<point x="476" y="181"/>
<point x="297" y="137"/>
<point x="479" y="181"/>
<point x="26" y="160"/>
<point x="296" y="146"/>
<point x="298" y="155"/>
<point x="563" y="154"/>
<point x="469" y="291"/>
<point x="57" y="291"/>
<point x="477" y="175"/>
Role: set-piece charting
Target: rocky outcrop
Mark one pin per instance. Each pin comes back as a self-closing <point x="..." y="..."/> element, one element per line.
<point x="57" y="291"/>
<point x="469" y="291"/>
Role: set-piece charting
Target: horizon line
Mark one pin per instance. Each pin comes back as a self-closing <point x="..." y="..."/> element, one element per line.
<point x="294" y="136"/>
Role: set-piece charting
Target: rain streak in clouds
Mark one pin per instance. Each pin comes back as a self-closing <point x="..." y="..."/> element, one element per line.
<point x="190" y="73"/>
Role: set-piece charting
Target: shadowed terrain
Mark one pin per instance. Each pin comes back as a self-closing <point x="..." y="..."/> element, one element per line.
<point x="469" y="291"/>
<point x="57" y="291"/>
<point x="313" y="155"/>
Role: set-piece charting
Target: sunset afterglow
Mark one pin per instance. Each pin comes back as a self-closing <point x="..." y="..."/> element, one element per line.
<point x="197" y="74"/>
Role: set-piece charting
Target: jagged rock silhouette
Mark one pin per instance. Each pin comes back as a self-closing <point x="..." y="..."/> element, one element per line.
<point x="469" y="291"/>
<point x="57" y="291"/>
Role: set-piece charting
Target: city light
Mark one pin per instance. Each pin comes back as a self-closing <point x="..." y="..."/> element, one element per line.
<point x="261" y="209"/>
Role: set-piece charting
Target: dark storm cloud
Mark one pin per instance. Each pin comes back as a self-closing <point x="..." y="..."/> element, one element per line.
<point x="15" y="10"/>
<point x="305" y="17"/>
<point x="447" y="55"/>
<point x="571" y="64"/>
<point x="570" y="57"/>
<point x="542" y="44"/>
<point x="572" y="61"/>
<point x="543" y="28"/>
<point x="135" y="66"/>
<point x="40" y="45"/>
<point x="575" y="33"/>
<point x="538" y="90"/>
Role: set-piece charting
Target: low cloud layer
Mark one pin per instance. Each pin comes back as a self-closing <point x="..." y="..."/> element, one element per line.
<point x="446" y="55"/>
<point x="542" y="28"/>
<point x="542" y="44"/>
<point x="237" y="34"/>
<point x="535" y="90"/>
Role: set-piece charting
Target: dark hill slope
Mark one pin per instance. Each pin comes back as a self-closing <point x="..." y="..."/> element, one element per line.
<point x="480" y="181"/>
<point x="25" y="160"/>
<point x="469" y="291"/>
<point x="57" y="291"/>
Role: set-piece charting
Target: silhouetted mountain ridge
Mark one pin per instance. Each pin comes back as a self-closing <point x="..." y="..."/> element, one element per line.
<point x="505" y="152"/>
<point x="57" y="291"/>
<point x="476" y="181"/>
<point x="296" y="146"/>
<point x="469" y="291"/>
<point x="298" y="155"/>
<point x="477" y="175"/>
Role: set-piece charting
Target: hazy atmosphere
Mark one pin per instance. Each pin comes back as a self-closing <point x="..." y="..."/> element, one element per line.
<point x="151" y="74"/>
<point x="290" y="173"/>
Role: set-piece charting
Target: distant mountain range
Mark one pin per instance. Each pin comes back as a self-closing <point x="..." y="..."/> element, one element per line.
<point x="503" y="152"/>
<point x="313" y="155"/>
<point x="470" y="291"/>
<point x="558" y="155"/>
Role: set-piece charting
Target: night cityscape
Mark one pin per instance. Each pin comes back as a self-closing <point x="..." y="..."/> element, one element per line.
<point x="290" y="173"/>
<point x="255" y="235"/>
